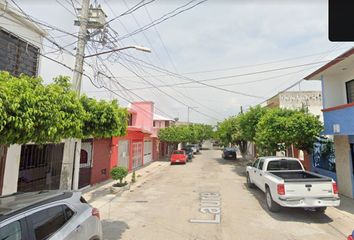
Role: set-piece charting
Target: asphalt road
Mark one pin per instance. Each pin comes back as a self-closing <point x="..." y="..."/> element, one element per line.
<point x="162" y="206"/>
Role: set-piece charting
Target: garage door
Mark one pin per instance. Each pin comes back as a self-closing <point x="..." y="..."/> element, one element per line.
<point x="147" y="151"/>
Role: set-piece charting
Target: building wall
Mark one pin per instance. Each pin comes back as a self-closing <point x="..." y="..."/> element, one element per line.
<point x="15" y="25"/>
<point x="144" y="116"/>
<point x="343" y="165"/>
<point x="334" y="92"/>
<point x="101" y="162"/>
<point x="298" y="99"/>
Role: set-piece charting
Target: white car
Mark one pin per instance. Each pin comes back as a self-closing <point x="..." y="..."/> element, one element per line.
<point x="286" y="183"/>
<point x="50" y="215"/>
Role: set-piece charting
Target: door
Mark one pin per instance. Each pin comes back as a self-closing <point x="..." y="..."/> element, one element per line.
<point x="253" y="171"/>
<point x="147" y="151"/>
<point x="85" y="164"/>
<point x="259" y="179"/>
<point x="137" y="154"/>
<point x="123" y="153"/>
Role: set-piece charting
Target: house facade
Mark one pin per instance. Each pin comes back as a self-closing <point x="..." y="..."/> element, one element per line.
<point x="295" y="100"/>
<point x="20" y="47"/>
<point x="137" y="148"/>
<point x="337" y="80"/>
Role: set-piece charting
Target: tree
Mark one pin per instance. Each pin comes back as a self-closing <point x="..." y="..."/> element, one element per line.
<point x="249" y="120"/>
<point x="192" y="133"/>
<point x="37" y="113"/>
<point x="103" y="119"/>
<point x="279" y="128"/>
<point x="33" y="112"/>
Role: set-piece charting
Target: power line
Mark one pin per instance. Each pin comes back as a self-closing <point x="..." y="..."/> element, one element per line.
<point x="164" y="18"/>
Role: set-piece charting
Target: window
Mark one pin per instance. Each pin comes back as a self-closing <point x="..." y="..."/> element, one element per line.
<point x="282" y="164"/>
<point x="11" y="231"/>
<point x="154" y="123"/>
<point x="350" y="91"/>
<point x="130" y="120"/>
<point x="261" y="162"/>
<point x="48" y="221"/>
<point x="83" y="157"/>
<point x="255" y="163"/>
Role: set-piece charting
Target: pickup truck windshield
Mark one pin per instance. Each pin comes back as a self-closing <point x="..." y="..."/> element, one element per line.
<point x="283" y="164"/>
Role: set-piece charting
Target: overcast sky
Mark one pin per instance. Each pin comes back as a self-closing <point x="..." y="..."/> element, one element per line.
<point x="212" y="40"/>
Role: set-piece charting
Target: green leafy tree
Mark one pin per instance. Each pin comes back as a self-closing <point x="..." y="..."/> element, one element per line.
<point x="103" y="119"/>
<point x="279" y="128"/>
<point x="36" y="112"/>
<point x="249" y="120"/>
<point x="33" y="112"/>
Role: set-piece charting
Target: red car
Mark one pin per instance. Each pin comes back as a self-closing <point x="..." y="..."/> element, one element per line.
<point x="179" y="156"/>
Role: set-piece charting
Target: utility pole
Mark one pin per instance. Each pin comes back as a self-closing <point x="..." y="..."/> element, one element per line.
<point x="72" y="147"/>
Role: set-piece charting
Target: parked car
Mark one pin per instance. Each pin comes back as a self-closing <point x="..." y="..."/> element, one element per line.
<point x="48" y="215"/>
<point x="229" y="153"/>
<point x="286" y="183"/>
<point x="179" y="156"/>
<point x="197" y="146"/>
<point x="189" y="152"/>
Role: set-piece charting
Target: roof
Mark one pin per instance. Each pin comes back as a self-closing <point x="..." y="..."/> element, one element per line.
<point x="19" y="202"/>
<point x="316" y="74"/>
<point x="162" y="118"/>
<point x="21" y="18"/>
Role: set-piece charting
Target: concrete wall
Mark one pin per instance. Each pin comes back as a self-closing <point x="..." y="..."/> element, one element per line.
<point x="343" y="165"/>
<point x="11" y="172"/>
<point x="334" y="92"/>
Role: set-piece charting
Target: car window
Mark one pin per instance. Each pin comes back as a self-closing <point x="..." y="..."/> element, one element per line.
<point x="48" y="221"/>
<point x="283" y="164"/>
<point x="261" y="162"/>
<point x="11" y="231"/>
<point x="255" y="163"/>
<point x="178" y="152"/>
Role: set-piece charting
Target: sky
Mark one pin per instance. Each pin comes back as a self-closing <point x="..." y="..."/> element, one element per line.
<point x="216" y="39"/>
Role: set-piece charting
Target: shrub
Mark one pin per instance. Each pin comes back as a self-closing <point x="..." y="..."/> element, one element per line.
<point x="133" y="177"/>
<point x="119" y="173"/>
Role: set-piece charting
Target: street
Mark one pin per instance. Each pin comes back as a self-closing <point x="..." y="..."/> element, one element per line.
<point x="162" y="206"/>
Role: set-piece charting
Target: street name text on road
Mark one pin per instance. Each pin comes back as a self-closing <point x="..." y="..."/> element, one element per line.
<point x="210" y="203"/>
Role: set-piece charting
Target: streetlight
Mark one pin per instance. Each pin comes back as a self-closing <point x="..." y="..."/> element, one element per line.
<point x="139" y="48"/>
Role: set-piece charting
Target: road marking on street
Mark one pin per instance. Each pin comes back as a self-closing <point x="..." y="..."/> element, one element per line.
<point x="210" y="204"/>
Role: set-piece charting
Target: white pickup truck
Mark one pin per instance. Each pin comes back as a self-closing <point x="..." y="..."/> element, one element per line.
<point x="286" y="183"/>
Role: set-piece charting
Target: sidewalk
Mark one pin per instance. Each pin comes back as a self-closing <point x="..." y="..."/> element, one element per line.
<point x="100" y="194"/>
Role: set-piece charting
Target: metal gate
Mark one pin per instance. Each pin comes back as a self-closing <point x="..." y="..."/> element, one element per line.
<point x="147" y="151"/>
<point x="137" y="154"/>
<point x="123" y="153"/>
<point x="40" y="167"/>
<point x="85" y="163"/>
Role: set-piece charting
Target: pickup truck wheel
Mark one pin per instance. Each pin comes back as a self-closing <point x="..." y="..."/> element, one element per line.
<point x="249" y="183"/>
<point x="271" y="204"/>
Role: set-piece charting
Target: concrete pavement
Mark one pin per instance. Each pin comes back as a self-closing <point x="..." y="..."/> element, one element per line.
<point x="161" y="206"/>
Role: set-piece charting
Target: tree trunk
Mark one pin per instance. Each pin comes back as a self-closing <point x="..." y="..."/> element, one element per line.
<point x="243" y="148"/>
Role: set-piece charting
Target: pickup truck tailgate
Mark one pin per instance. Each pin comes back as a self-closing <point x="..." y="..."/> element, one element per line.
<point x="311" y="189"/>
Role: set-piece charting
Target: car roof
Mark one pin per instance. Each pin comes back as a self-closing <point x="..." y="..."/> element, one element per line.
<point x="278" y="158"/>
<point x="11" y="205"/>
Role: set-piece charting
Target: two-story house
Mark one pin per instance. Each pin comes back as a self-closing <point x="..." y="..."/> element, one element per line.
<point x="163" y="148"/>
<point x="337" y="78"/>
<point x="20" y="47"/>
<point x="137" y="148"/>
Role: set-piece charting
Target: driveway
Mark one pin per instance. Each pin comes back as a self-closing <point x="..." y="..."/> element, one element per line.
<point x="163" y="205"/>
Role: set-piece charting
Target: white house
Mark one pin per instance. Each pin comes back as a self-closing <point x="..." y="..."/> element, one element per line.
<point x="20" y="45"/>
